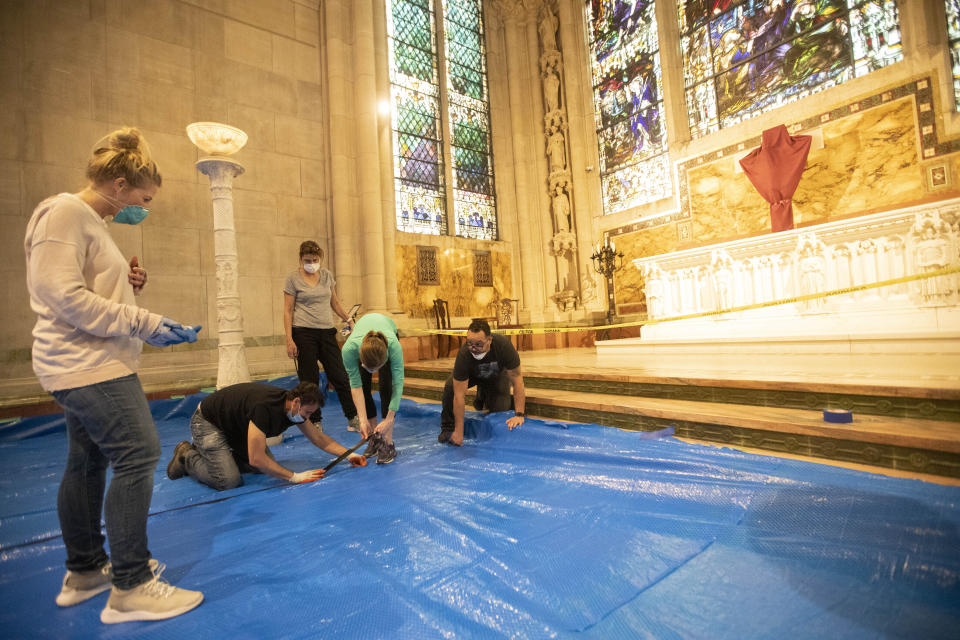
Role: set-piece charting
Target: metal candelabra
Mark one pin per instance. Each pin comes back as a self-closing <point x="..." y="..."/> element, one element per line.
<point x="607" y="261"/>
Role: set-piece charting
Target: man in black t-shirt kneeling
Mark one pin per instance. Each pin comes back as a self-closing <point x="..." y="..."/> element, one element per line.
<point x="490" y="362"/>
<point x="230" y="429"/>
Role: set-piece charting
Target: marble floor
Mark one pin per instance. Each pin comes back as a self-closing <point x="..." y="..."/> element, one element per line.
<point x="586" y="363"/>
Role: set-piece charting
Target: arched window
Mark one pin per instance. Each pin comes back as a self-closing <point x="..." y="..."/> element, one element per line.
<point x="953" y="34"/>
<point x="440" y="115"/>
<point x="628" y="103"/>
<point x="741" y="58"/>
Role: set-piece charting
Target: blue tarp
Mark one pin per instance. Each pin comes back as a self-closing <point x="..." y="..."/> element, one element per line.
<point x="553" y="530"/>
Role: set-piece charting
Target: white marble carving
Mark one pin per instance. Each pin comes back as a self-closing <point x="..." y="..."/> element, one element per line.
<point x="556" y="152"/>
<point x="810" y="261"/>
<point x="561" y="209"/>
<point x="548" y="29"/>
<point x="563" y="244"/>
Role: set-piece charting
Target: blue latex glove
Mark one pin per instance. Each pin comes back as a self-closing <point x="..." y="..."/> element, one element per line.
<point x="186" y="332"/>
<point x="171" y="332"/>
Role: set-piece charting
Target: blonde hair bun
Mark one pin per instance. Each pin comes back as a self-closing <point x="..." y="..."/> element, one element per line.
<point x="123" y="153"/>
<point x="126" y="138"/>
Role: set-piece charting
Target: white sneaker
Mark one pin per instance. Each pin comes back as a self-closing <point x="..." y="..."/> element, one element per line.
<point x="80" y="586"/>
<point x="354" y="424"/>
<point x="155" y="599"/>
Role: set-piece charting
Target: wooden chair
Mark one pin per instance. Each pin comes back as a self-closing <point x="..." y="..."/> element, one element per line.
<point x="441" y="313"/>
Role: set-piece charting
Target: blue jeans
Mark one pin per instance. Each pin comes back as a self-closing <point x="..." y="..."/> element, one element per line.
<point x="108" y="423"/>
<point x="211" y="461"/>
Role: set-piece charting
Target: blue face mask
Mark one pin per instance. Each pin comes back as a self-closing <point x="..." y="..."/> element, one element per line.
<point x="131" y="214"/>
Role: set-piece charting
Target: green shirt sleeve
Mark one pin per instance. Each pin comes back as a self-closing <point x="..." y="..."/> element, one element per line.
<point x="396" y="368"/>
<point x="351" y="362"/>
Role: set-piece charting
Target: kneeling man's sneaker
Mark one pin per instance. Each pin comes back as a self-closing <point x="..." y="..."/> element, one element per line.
<point x="176" y="468"/>
<point x="353" y="424"/>
<point x="444" y="436"/>
<point x="387" y="453"/>
<point x="155" y="599"/>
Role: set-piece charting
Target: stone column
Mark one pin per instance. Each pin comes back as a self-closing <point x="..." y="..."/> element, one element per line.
<point x="388" y="205"/>
<point x="671" y="75"/>
<point x="520" y="78"/>
<point x="555" y="157"/>
<point x="232" y="367"/>
<point x="344" y="211"/>
<point x="370" y="214"/>
<point x="585" y="202"/>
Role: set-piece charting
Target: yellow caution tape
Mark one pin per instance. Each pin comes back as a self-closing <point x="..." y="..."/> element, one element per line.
<point x="759" y="305"/>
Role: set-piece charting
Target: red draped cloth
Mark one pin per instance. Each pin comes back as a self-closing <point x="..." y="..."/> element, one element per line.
<point x="775" y="169"/>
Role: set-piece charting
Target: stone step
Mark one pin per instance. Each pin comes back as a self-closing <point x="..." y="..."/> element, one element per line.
<point x="909" y="444"/>
<point x="876" y="399"/>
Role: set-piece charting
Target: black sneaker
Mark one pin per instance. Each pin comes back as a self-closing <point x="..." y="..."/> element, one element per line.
<point x="444" y="436"/>
<point x="387" y="453"/>
<point x="372" y="445"/>
<point x="176" y="468"/>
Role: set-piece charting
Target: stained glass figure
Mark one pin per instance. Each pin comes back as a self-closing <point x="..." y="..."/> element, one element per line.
<point x="628" y="101"/>
<point x="421" y="129"/>
<point x="474" y="202"/>
<point x="742" y="58"/>
<point x="953" y="34"/>
<point x="417" y="135"/>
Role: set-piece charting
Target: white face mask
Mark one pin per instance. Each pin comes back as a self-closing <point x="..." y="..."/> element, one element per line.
<point x="311" y="267"/>
<point x="478" y="356"/>
<point x="296" y="417"/>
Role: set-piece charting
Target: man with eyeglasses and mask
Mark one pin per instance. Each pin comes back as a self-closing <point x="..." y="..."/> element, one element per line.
<point x="491" y="363"/>
<point x="230" y="429"/>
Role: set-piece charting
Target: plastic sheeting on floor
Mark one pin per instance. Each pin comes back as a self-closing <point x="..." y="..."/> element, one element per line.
<point x="553" y="530"/>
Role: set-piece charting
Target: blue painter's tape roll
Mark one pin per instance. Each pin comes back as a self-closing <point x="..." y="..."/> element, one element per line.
<point x="837" y="415"/>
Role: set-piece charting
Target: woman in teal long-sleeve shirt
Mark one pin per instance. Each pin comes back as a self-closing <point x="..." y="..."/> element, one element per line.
<point x="373" y="346"/>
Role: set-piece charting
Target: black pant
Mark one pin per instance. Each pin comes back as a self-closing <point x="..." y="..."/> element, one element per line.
<point x="315" y="345"/>
<point x="492" y="395"/>
<point x="385" y="384"/>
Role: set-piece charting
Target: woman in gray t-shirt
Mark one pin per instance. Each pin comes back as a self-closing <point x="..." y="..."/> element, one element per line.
<point x="309" y="302"/>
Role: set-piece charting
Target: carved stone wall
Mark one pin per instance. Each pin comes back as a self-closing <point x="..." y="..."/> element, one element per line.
<point x="563" y="244"/>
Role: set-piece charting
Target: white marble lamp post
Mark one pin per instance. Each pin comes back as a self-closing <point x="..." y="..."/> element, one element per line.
<point x="217" y="142"/>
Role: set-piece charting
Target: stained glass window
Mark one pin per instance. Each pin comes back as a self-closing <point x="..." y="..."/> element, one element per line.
<point x="425" y="134"/>
<point x="474" y="204"/>
<point x="417" y="134"/>
<point x="953" y="34"/>
<point x="628" y="101"/>
<point x="741" y="58"/>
